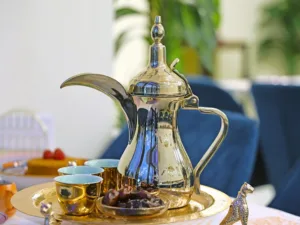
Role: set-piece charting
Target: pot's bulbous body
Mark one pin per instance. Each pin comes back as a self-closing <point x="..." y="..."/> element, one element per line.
<point x="156" y="158"/>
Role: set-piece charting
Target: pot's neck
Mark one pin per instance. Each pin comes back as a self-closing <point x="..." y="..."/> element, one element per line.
<point x="157" y="55"/>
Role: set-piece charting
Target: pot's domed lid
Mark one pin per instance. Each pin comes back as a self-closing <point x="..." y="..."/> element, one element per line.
<point x="158" y="80"/>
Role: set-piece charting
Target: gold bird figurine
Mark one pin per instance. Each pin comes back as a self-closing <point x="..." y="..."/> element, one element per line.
<point x="238" y="210"/>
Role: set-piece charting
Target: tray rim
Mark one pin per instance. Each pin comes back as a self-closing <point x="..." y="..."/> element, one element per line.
<point x="30" y="191"/>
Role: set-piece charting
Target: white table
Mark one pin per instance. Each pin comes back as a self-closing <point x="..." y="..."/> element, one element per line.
<point x="259" y="215"/>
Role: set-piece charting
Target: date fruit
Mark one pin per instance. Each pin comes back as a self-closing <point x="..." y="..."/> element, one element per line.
<point x="131" y="199"/>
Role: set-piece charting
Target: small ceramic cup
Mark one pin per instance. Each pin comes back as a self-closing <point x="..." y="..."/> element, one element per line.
<point x="71" y="170"/>
<point x="77" y="194"/>
<point x="7" y="190"/>
<point x="112" y="179"/>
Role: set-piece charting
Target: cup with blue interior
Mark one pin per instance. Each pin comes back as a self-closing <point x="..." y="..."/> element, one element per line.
<point x="112" y="179"/>
<point x="71" y="170"/>
<point x="77" y="194"/>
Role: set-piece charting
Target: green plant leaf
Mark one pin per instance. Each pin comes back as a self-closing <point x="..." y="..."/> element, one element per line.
<point x="269" y="44"/>
<point x="119" y="41"/>
<point x="126" y="11"/>
<point x="174" y="38"/>
<point x="147" y="39"/>
<point x="210" y="15"/>
<point x="215" y="13"/>
<point x="191" y="23"/>
<point x="155" y="10"/>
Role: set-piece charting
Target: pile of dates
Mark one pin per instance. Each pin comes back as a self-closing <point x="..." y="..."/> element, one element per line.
<point x="132" y="199"/>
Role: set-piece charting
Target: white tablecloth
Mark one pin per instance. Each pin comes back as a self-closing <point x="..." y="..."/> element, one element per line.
<point x="259" y="215"/>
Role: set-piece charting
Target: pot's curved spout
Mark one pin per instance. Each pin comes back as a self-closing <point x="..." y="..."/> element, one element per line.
<point x="113" y="89"/>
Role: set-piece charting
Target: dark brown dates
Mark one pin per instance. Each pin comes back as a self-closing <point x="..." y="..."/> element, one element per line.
<point x="140" y="195"/>
<point x="124" y="194"/>
<point x="111" y="198"/>
<point x="128" y="198"/>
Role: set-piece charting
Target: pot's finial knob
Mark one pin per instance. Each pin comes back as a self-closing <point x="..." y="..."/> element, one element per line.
<point x="157" y="31"/>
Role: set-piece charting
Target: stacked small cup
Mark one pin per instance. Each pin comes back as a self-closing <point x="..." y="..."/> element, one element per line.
<point x="79" y="187"/>
<point x="112" y="179"/>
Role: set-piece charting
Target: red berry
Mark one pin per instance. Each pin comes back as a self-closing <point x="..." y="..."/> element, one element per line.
<point x="47" y="154"/>
<point x="59" y="154"/>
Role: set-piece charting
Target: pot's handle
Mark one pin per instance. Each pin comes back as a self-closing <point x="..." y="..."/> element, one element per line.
<point x="192" y="103"/>
<point x="213" y="147"/>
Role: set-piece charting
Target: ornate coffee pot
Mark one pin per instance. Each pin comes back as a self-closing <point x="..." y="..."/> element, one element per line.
<point x="155" y="156"/>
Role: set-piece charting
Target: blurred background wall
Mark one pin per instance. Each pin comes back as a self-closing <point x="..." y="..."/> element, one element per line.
<point x="42" y="43"/>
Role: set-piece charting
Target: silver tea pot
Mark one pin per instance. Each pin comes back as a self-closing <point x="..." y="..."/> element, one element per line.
<point x="155" y="157"/>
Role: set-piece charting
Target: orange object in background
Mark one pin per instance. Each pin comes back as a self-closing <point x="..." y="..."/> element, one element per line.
<point x="7" y="190"/>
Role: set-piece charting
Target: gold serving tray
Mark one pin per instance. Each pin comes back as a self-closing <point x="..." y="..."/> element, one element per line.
<point x="210" y="202"/>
